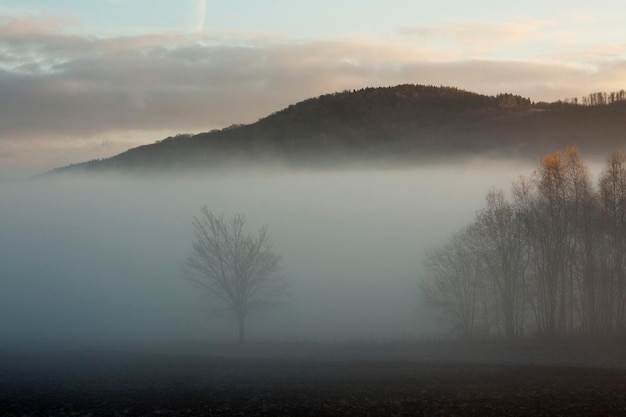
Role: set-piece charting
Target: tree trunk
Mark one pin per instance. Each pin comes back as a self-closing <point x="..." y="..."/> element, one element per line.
<point x="242" y="337"/>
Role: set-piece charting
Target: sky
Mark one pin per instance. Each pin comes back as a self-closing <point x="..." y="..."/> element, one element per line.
<point x="81" y="80"/>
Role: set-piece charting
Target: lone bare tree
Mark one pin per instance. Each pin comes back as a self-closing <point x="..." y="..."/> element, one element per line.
<point x="234" y="267"/>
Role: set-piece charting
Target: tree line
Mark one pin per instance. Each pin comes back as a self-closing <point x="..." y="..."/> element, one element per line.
<point x="549" y="260"/>
<point x="599" y="98"/>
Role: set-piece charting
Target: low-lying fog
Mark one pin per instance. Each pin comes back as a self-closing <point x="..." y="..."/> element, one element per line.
<point x="96" y="261"/>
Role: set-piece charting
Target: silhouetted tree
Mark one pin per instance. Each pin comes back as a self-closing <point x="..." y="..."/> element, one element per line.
<point x="554" y="216"/>
<point x="612" y="185"/>
<point x="234" y="267"/>
<point x="581" y="274"/>
<point x="502" y="251"/>
<point x="454" y="284"/>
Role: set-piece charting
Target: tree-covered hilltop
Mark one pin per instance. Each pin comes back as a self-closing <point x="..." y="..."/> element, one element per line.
<point x="403" y="123"/>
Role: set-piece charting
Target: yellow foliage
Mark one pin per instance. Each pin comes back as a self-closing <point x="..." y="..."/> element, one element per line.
<point x="552" y="160"/>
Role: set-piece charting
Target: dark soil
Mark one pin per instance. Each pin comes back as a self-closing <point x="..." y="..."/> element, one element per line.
<point x="133" y="384"/>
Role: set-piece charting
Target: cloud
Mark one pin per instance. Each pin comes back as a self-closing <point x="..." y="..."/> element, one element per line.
<point x="479" y="37"/>
<point x="54" y="83"/>
<point x="26" y="27"/>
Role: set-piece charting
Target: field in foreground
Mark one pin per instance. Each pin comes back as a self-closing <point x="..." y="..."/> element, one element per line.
<point x="149" y="384"/>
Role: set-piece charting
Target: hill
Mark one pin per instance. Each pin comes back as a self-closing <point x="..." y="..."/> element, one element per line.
<point x="405" y="123"/>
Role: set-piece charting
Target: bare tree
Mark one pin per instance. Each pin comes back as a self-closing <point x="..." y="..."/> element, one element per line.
<point x="454" y="285"/>
<point x="612" y="186"/>
<point x="238" y="269"/>
<point x="550" y="234"/>
<point x="503" y="255"/>
<point x="581" y="258"/>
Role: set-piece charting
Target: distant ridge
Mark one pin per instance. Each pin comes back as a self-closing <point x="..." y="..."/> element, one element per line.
<point x="405" y="123"/>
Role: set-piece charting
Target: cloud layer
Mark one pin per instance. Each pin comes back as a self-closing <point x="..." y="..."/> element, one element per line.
<point x="59" y="85"/>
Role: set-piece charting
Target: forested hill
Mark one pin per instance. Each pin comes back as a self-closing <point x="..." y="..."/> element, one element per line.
<point x="405" y="123"/>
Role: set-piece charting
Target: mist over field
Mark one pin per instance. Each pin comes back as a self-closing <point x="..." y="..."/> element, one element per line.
<point x="95" y="261"/>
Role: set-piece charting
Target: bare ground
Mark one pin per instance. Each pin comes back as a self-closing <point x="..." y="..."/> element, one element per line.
<point x="355" y="380"/>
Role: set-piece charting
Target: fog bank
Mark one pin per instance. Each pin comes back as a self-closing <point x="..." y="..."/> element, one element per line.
<point x="95" y="261"/>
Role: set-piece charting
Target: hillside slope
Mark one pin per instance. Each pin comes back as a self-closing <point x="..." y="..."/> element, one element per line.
<point x="405" y="123"/>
